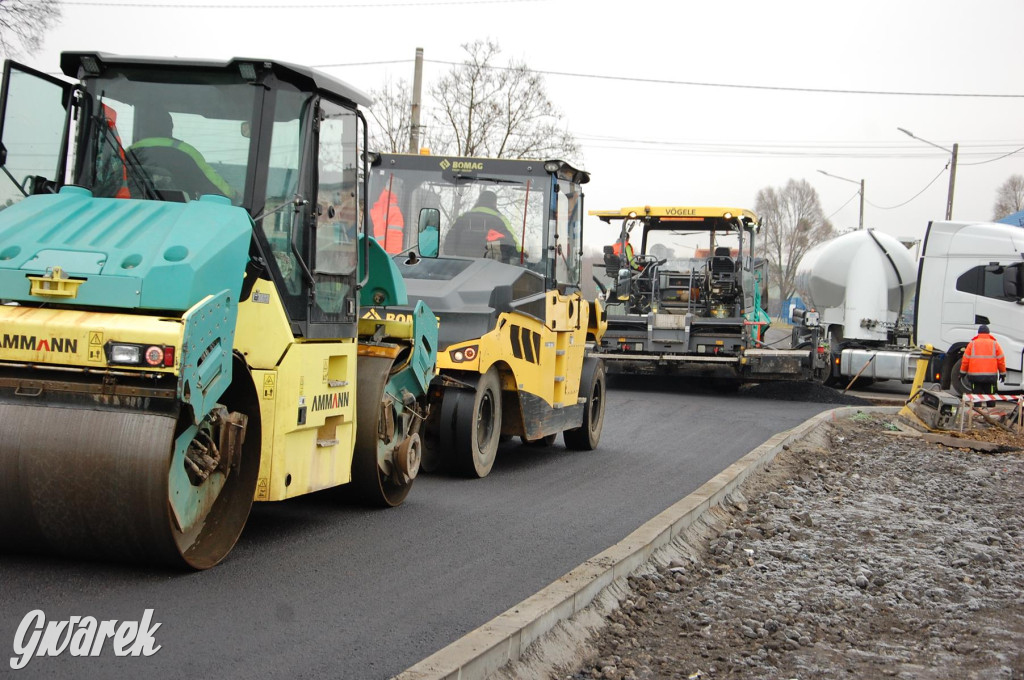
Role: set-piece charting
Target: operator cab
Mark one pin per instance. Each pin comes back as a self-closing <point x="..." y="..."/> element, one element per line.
<point x="521" y="212"/>
<point x="689" y="260"/>
<point x="281" y="141"/>
<point x="475" y="237"/>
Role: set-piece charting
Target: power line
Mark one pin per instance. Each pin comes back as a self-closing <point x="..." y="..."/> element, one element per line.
<point x="998" y="158"/>
<point x="816" y="143"/>
<point x="893" y="207"/>
<point x="755" y="149"/>
<point x="438" y="3"/>
<point x="855" y="195"/>
<point x="326" y="5"/>
<point x="694" y="83"/>
<point x="776" y="88"/>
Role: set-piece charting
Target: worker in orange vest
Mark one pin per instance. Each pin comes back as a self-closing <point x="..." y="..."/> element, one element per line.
<point x="983" y="363"/>
<point x="630" y="258"/>
<point x="118" y="175"/>
<point x="388" y="222"/>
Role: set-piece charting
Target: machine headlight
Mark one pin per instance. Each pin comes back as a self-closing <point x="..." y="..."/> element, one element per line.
<point x="463" y="354"/>
<point x="131" y="354"/>
<point x="125" y="354"/>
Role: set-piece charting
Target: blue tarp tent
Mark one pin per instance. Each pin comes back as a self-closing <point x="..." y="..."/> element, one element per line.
<point x="1016" y="219"/>
<point x="790" y="304"/>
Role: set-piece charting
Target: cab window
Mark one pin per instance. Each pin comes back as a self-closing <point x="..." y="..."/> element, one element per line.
<point x="336" y="214"/>
<point x="278" y="213"/>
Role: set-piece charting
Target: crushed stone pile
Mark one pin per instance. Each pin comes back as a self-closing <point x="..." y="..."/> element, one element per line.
<point x="864" y="552"/>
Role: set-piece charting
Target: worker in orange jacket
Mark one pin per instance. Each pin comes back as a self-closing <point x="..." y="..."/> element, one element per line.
<point x="617" y="250"/>
<point x="388" y="223"/>
<point x="983" y="362"/>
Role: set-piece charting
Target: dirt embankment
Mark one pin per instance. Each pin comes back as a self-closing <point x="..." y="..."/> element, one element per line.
<point x="862" y="553"/>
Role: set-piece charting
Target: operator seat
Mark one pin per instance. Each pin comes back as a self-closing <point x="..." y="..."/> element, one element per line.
<point x="174" y="165"/>
<point x="722" y="262"/>
<point x="611" y="262"/>
<point x="467" y="236"/>
<point x="722" y="273"/>
<point x="168" y="163"/>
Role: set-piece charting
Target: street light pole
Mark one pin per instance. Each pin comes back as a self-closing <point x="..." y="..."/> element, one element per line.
<point x="952" y="168"/>
<point x="952" y="179"/>
<point x="860" y="223"/>
<point x="417" y="86"/>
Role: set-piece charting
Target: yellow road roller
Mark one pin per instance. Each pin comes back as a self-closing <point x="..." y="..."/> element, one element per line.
<point x="495" y="247"/>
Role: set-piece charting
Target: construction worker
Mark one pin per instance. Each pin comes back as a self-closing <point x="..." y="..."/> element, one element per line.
<point x="482" y="231"/>
<point x="170" y="163"/>
<point x="388" y="222"/>
<point x="630" y="257"/>
<point x="983" y="363"/>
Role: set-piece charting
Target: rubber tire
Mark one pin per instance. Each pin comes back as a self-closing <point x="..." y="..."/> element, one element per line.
<point x="477" y="426"/>
<point x="430" y="439"/>
<point x="956" y="381"/>
<point x="587" y="436"/>
<point x="371" y="485"/>
<point x="831" y="380"/>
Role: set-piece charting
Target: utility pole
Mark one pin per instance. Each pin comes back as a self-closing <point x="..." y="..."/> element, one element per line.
<point x="417" y="87"/>
<point x="952" y="168"/>
<point x="860" y="224"/>
<point x="860" y="221"/>
<point x="952" y="178"/>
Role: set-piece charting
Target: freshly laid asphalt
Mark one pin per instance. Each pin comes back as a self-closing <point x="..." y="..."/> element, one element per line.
<point x="318" y="588"/>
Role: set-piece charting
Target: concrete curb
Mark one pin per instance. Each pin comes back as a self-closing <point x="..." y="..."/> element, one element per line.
<point x="505" y="638"/>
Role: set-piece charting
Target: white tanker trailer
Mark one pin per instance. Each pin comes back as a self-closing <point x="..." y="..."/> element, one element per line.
<point x="858" y="288"/>
<point x="862" y="286"/>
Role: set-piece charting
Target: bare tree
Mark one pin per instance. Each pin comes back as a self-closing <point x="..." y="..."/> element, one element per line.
<point x="391" y="114"/>
<point x="792" y="222"/>
<point x="497" y="111"/>
<point x="23" y="23"/>
<point x="1009" y="198"/>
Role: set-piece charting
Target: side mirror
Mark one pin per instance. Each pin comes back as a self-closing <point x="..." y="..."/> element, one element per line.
<point x="429" y="228"/>
<point x="622" y="285"/>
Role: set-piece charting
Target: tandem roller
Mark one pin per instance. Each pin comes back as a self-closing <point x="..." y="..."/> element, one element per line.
<point x="180" y="331"/>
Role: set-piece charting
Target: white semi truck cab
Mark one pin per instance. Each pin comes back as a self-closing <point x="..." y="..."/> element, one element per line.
<point x="970" y="274"/>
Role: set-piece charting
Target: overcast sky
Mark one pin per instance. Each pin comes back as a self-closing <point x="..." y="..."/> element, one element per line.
<point x="674" y="102"/>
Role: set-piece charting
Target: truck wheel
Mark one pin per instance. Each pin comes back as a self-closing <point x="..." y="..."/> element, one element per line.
<point x="592" y="383"/>
<point x="476" y="425"/>
<point x="831" y="379"/>
<point x="956" y="381"/>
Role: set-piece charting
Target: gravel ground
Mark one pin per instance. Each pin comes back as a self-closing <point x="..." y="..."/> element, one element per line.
<point x="862" y="552"/>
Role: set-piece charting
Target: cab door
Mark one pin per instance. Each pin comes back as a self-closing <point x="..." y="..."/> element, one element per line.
<point x="1000" y="306"/>
<point x="335" y="223"/>
<point x="34" y="126"/>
